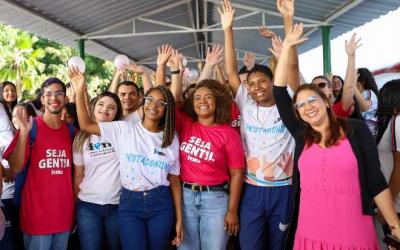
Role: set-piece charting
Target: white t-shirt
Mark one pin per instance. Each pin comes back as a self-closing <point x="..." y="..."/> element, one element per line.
<point x="132" y="117"/>
<point x="369" y="115"/>
<point x="101" y="183"/>
<point x="6" y="136"/>
<point x="143" y="163"/>
<point x="385" y="149"/>
<point x="268" y="145"/>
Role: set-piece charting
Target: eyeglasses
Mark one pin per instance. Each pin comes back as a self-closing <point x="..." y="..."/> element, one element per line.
<point x="302" y="104"/>
<point x="322" y="85"/>
<point x="148" y="100"/>
<point x="55" y="94"/>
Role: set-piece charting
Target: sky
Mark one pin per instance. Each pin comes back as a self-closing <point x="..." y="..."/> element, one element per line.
<point x="380" y="48"/>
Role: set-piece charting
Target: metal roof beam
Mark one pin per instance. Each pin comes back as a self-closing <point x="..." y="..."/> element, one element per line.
<point x="129" y="20"/>
<point x="174" y="32"/>
<point x="170" y="25"/>
<point x="348" y="6"/>
<point x="236" y="18"/>
<point x="272" y="13"/>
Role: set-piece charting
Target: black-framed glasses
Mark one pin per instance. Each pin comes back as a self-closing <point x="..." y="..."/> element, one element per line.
<point x="49" y="94"/>
<point x="158" y="103"/>
<point x="302" y="104"/>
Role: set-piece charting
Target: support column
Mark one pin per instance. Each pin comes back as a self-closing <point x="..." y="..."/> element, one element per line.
<point x="326" y="48"/>
<point x="81" y="48"/>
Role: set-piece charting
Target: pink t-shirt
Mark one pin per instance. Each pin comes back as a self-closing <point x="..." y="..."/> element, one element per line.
<point x="47" y="203"/>
<point x="207" y="152"/>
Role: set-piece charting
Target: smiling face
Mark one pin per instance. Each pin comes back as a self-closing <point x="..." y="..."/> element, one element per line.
<point x="154" y="105"/>
<point x="105" y="109"/>
<point x="53" y="98"/>
<point x="326" y="87"/>
<point x="129" y="97"/>
<point x="311" y="107"/>
<point x="9" y="93"/>
<point x="204" y="103"/>
<point x="260" y="88"/>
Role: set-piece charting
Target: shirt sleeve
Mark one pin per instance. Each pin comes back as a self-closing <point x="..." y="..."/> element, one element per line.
<point x="397" y="133"/>
<point x="113" y="132"/>
<point x="338" y="110"/>
<point x="241" y="97"/>
<point x="176" y="167"/>
<point x="10" y="148"/>
<point x="234" y="149"/>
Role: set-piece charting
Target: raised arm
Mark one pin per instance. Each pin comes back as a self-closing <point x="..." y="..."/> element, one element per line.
<point x="282" y="98"/>
<point x="118" y="76"/>
<point x="227" y="13"/>
<point x="78" y="82"/>
<point x="214" y="56"/>
<point x="349" y="84"/>
<point x="17" y="157"/>
<point x="139" y="69"/>
<point x="176" y="78"/>
<point x="164" y="52"/>
<point x="249" y="60"/>
<point x="286" y="8"/>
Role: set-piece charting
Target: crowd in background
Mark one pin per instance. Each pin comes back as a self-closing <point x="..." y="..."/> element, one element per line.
<point x="257" y="156"/>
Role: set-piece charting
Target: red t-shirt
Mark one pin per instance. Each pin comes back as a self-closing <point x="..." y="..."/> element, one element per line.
<point x="338" y="110"/>
<point x="235" y="117"/>
<point x="47" y="202"/>
<point x="207" y="152"/>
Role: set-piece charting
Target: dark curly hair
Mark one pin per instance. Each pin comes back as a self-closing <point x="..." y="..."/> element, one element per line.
<point x="223" y="101"/>
<point x="367" y="79"/>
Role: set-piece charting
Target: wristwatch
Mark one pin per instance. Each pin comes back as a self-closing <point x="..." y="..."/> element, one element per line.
<point x="176" y="71"/>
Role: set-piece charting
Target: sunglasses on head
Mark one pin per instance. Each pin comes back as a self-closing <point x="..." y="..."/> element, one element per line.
<point x="321" y="85"/>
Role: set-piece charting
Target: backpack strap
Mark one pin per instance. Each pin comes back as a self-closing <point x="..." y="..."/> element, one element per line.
<point x="72" y="131"/>
<point x="393" y="134"/>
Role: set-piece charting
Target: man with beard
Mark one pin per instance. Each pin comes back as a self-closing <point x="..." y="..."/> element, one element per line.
<point x="47" y="203"/>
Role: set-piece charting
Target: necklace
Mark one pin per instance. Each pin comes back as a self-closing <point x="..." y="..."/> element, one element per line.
<point x="258" y="119"/>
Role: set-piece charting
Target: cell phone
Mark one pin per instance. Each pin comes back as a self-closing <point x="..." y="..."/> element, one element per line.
<point x="392" y="241"/>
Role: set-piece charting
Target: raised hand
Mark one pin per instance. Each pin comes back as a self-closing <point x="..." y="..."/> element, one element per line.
<point x="135" y="68"/>
<point x="285" y="7"/>
<point x="174" y="60"/>
<point x="227" y="13"/>
<point x="164" y="53"/>
<point x="249" y="60"/>
<point x="24" y="123"/>
<point x="214" y="55"/>
<point x="294" y="38"/>
<point x="352" y="45"/>
<point x="276" y="46"/>
<point x="265" y="32"/>
<point x="77" y="79"/>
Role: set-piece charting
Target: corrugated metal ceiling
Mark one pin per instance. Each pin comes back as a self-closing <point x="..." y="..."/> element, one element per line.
<point x="64" y="21"/>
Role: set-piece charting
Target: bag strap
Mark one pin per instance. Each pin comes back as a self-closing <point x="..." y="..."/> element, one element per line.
<point x="393" y="134"/>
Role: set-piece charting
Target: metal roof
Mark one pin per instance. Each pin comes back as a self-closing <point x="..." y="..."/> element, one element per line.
<point x="136" y="27"/>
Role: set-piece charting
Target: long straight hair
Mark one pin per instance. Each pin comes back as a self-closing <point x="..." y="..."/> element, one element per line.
<point x="8" y="107"/>
<point x="336" y="125"/>
<point x="81" y="137"/>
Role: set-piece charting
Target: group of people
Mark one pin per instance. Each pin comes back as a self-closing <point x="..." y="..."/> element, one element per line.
<point x="238" y="154"/>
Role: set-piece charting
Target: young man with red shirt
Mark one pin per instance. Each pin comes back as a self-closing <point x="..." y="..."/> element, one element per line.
<point x="47" y="202"/>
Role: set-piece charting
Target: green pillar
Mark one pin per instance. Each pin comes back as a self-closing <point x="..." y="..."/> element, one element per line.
<point x="81" y="48"/>
<point x="326" y="48"/>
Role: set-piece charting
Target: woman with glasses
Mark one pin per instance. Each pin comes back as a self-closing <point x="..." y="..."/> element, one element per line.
<point x="149" y="168"/>
<point x="336" y="175"/>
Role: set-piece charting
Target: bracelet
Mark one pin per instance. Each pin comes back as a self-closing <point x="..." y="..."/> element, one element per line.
<point x="176" y="71"/>
<point x="395" y="227"/>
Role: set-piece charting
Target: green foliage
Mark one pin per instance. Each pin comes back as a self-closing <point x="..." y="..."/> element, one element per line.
<point x="28" y="60"/>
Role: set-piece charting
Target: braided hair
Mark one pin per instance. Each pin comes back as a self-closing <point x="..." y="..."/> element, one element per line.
<point x="167" y="122"/>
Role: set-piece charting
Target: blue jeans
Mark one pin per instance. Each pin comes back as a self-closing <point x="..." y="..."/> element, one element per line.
<point x="264" y="211"/>
<point x="203" y="219"/>
<point x="146" y="218"/>
<point x="12" y="239"/>
<point x="57" y="241"/>
<point x="97" y="224"/>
